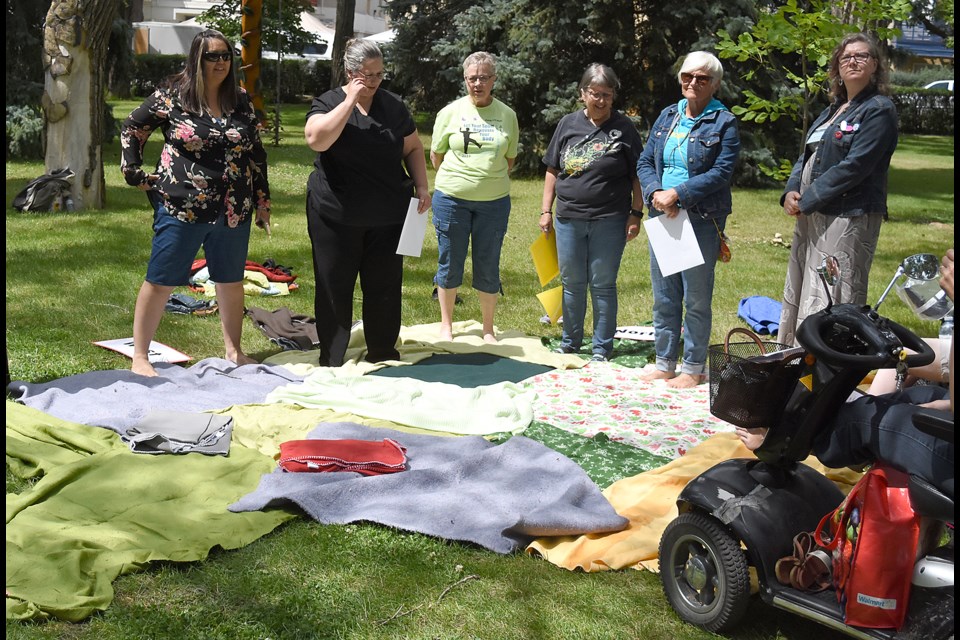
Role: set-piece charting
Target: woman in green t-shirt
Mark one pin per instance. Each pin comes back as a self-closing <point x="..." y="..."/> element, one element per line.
<point x="474" y="145"/>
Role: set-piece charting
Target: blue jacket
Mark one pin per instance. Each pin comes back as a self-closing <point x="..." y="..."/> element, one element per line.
<point x="712" y="151"/>
<point x="849" y="177"/>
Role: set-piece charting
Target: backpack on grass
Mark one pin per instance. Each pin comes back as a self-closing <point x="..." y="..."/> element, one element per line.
<point x="49" y="192"/>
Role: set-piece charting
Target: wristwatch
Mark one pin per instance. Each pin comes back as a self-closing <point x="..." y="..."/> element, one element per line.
<point x="636" y="212"/>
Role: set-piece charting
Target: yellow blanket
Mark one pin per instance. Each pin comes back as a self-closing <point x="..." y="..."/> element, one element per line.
<point x="649" y="501"/>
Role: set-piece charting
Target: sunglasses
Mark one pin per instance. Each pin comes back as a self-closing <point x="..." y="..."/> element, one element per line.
<point x="214" y="56"/>
<point x="687" y="78"/>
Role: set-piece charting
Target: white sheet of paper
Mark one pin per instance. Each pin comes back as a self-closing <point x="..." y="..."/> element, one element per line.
<point x="674" y="243"/>
<point x="643" y="332"/>
<point x="411" y="238"/>
<point x="158" y="352"/>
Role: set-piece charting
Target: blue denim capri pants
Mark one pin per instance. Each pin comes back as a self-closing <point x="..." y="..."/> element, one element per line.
<point x="457" y="221"/>
<point x="176" y="243"/>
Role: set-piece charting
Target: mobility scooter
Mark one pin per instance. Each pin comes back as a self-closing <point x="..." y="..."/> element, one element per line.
<point x="742" y="515"/>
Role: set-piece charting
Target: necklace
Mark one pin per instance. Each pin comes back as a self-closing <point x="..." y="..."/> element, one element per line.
<point x="842" y="109"/>
<point x="681" y="140"/>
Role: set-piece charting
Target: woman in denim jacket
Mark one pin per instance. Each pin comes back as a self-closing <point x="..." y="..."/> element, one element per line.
<point x="688" y="163"/>
<point x="839" y="184"/>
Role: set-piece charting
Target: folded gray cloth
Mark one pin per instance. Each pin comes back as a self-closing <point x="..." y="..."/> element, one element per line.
<point x="181" y="432"/>
<point x="500" y="497"/>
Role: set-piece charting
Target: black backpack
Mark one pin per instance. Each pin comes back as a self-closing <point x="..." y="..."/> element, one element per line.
<point x="49" y="192"/>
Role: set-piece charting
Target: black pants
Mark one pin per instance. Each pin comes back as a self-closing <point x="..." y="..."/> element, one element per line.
<point x="341" y="253"/>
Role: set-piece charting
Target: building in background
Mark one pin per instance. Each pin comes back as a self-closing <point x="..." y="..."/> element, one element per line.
<point x="169" y="26"/>
<point x="922" y="47"/>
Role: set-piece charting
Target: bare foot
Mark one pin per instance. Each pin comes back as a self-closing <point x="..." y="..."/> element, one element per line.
<point x="685" y="381"/>
<point x="242" y="359"/>
<point x="489" y="338"/>
<point x="656" y="374"/>
<point x="751" y="438"/>
<point x="446" y="333"/>
<point x="142" y="366"/>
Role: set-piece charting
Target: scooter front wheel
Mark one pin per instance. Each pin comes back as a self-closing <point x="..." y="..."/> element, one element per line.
<point x="704" y="572"/>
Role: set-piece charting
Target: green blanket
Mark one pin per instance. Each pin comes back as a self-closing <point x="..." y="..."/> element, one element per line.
<point x="100" y="511"/>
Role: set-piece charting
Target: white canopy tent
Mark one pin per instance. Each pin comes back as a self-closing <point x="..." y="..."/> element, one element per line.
<point x="168" y="37"/>
<point x="383" y="37"/>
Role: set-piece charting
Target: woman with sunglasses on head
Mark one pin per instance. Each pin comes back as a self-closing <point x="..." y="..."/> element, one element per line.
<point x="688" y="164"/>
<point x="839" y="184"/>
<point x="473" y="147"/>
<point x="210" y="181"/>
<point x="590" y="173"/>
<point x="369" y="164"/>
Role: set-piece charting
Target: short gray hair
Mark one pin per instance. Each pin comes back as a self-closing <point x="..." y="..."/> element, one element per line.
<point x="481" y="58"/>
<point x="358" y="51"/>
<point x="702" y="60"/>
<point x="599" y="74"/>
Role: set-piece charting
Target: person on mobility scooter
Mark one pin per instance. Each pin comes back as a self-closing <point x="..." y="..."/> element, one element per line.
<point x="741" y="515"/>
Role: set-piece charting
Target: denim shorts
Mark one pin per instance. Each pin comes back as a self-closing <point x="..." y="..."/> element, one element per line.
<point x="176" y="243"/>
<point x="458" y="223"/>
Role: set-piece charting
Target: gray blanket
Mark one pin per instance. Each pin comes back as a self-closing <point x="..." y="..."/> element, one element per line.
<point x="119" y="399"/>
<point x="458" y="488"/>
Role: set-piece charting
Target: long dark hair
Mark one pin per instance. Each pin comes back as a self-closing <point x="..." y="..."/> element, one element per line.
<point x="880" y="78"/>
<point x="189" y="82"/>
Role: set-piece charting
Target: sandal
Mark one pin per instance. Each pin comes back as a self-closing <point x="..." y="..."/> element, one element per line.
<point x="808" y="569"/>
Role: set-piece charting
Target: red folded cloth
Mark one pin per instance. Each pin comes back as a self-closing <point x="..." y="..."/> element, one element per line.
<point x="274" y="274"/>
<point x="360" y="456"/>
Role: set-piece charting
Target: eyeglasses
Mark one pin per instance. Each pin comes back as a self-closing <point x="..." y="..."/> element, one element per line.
<point x="214" y="56"/>
<point x="371" y="77"/>
<point x="476" y="79"/>
<point x="861" y="58"/>
<point x="599" y="95"/>
<point x="687" y="78"/>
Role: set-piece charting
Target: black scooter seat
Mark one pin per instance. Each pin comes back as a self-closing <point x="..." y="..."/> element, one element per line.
<point x="928" y="501"/>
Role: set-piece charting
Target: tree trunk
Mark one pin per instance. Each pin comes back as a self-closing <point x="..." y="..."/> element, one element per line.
<point x="344" y="31"/>
<point x="75" y="40"/>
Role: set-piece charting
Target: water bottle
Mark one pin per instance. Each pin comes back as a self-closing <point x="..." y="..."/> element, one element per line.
<point x="946" y="345"/>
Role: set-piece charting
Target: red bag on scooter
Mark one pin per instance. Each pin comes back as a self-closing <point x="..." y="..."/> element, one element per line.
<point x="873" y="536"/>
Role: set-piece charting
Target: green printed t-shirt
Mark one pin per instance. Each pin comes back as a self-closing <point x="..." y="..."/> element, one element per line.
<point x="476" y="142"/>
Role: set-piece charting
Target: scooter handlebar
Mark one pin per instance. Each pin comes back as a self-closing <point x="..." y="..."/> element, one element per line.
<point x="876" y="339"/>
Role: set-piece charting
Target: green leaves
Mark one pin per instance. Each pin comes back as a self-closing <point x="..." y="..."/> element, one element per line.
<point x="790" y="49"/>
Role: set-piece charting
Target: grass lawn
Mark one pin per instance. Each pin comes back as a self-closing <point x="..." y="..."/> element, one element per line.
<point x="73" y="279"/>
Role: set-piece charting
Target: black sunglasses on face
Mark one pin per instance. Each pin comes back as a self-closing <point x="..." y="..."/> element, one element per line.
<point x="214" y="56"/>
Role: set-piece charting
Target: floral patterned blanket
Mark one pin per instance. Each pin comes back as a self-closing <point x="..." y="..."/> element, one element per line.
<point x="605" y="397"/>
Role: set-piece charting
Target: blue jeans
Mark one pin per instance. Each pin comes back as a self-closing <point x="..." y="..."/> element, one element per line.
<point x="589" y="252"/>
<point x="176" y="243"/>
<point x="693" y="289"/>
<point x="456" y="222"/>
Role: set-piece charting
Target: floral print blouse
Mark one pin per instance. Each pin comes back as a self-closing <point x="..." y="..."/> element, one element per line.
<point x="208" y="166"/>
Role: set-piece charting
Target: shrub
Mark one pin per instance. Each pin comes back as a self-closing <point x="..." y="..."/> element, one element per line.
<point x="920" y="77"/>
<point x="924" y="111"/>
<point x="299" y="79"/>
<point x="24" y="133"/>
<point x="149" y="69"/>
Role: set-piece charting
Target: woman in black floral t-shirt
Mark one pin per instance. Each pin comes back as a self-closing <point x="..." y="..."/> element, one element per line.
<point x="210" y="181"/>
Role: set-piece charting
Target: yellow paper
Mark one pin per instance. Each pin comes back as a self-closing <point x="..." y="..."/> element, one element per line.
<point x="552" y="301"/>
<point x="544" y="252"/>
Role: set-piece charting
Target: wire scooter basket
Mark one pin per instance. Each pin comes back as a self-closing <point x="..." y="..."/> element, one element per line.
<point x="750" y="382"/>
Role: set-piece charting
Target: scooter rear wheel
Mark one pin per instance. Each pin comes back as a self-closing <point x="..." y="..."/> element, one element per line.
<point x="704" y="572"/>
